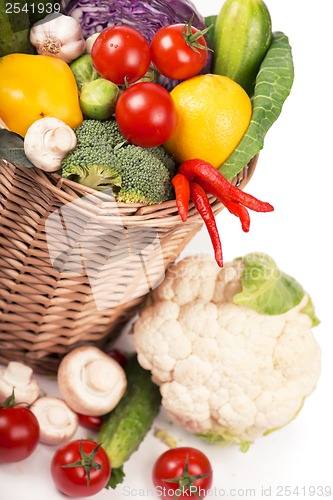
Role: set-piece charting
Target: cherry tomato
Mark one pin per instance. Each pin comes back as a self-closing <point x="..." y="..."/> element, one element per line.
<point x="80" y="480"/>
<point x="146" y="114"/>
<point x="173" y="56"/>
<point x="19" y="433"/>
<point x="119" y="356"/>
<point x="121" y="53"/>
<point x="90" y="421"/>
<point x="181" y="463"/>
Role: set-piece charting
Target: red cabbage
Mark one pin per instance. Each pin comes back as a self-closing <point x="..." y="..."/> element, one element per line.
<point x="145" y="16"/>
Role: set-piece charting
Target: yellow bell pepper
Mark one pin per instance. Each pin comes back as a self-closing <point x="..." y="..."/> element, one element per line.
<point x="36" y="86"/>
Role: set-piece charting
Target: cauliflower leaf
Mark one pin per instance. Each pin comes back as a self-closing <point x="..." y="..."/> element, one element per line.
<point x="273" y="85"/>
<point x="268" y="290"/>
<point x="223" y="439"/>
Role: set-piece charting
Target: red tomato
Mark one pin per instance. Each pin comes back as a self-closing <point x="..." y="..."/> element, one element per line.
<point x="173" y="56"/>
<point x="19" y="433"/>
<point x="146" y="114"/>
<point x="181" y="463"/>
<point x="74" y="481"/>
<point x="90" y="421"/>
<point x="119" y="53"/>
<point x="119" y="356"/>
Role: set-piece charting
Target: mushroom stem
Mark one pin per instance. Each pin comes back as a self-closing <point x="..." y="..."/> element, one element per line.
<point x="59" y="140"/>
<point x="90" y="381"/>
<point x="100" y="375"/>
<point x="57" y="422"/>
<point x="56" y="416"/>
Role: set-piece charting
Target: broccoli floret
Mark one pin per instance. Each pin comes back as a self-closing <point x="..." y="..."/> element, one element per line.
<point x="165" y="158"/>
<point x="145" y="177"/>
<point x="103" y="159"/>
<point x="92" y="167"/>
<point x="93" y="132"/>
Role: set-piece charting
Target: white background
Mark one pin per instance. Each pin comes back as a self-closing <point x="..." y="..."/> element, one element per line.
<point x="294" y="174"/>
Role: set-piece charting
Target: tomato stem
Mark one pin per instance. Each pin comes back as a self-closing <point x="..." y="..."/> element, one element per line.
<point x="186" y="480"/>
<point x="10" y="402"/>
<point x="191" y="38"/>
<point x="87" y="461"/>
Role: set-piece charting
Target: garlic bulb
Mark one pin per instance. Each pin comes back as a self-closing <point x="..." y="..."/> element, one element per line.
<point x="90" y="42"/>
<point x="59" y="36"/>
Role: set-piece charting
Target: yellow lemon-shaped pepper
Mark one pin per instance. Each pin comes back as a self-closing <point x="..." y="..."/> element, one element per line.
<point x="213" y="115"/>
<point x="36" y="86"/>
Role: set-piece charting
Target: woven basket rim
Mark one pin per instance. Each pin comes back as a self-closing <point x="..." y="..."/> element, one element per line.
<point x="164" y="214"/>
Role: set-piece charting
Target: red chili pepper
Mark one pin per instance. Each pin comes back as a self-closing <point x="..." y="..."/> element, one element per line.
<point x="234" y="207"/>
<point x="203" y="178"/>
<point x="182" y="189"/>
<point x="198" y="170"/>
<point x="240" y="211"/>
<point x="202" y="204"/>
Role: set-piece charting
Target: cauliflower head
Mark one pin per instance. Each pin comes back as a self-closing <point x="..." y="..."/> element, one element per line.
<point x="228" y="371"/>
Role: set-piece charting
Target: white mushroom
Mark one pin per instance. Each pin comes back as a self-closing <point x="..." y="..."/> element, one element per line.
<point x="57" y="422"/>
<point x="18" y="377"/>
<point x="47" y="142"/>
<point x="90" y="381"/>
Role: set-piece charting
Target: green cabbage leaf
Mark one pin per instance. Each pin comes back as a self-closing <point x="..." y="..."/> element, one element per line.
<point x="268" y="290"/>
<point x="12" y="148"/>
<point x="273" y="85"/>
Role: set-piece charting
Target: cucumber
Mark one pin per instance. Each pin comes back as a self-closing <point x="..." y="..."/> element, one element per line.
<point x="14" y="28"/>
<point x="125" y="427"/>
<point x="243" y="34"/>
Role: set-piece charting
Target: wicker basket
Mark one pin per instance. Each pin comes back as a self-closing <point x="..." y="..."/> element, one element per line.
<point x="49" y="306"/>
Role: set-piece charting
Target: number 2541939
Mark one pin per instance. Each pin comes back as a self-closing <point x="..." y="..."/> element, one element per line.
<point x="40" y="8"/>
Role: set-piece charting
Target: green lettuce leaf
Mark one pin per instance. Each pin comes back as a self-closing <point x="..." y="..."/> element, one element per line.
<point x="211" y="21"/>
<point x="117" y="477"/>
<point x="12" y="149"/>
<point x="310" y="311"/>
<point x="222" y="438"/>
<point x="273" y="85"/>
<point x="269" y="431"/>
<point x="268" y="290"/>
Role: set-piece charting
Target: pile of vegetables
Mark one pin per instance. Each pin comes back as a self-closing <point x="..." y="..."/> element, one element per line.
<point x="108" y="393"/>
<point x="117" y="64"/>
<point x="229" y="354"/>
